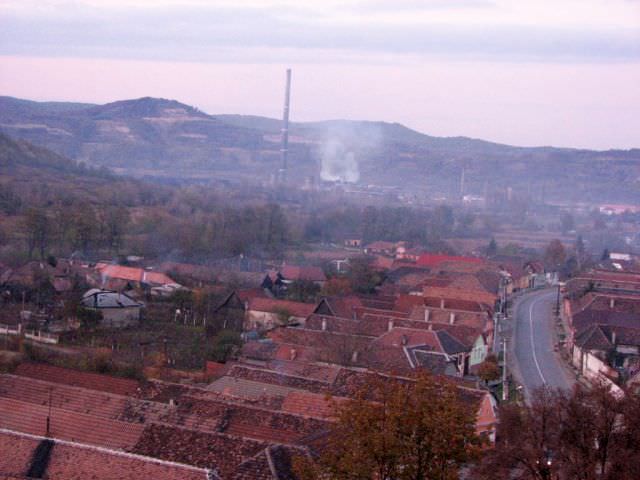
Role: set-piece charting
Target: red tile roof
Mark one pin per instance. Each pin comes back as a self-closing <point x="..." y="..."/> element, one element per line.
<point x="272" y="305"/>
<point x="132" y="274"/>
<point x="16" y="464"/>
<point x="434" y="260"/>
<point x="307" y="273"/>
<point x="76" y="462"/>
<point x="462" y="294"/>
<point x="310" y="404"/>
<point x="202" y="449"/>
<point x="66" y="376"/>
<point x="67" y="425"/>
<point x="408" y="337"/>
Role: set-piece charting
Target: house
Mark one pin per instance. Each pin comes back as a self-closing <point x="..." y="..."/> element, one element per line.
<point x="294" y="273"/>
<point x="117" y="309"/>
<point x="535" y="272"/>
<point x="353" y="242"/>
<point x="122" y="278"/>
<point x="381" y="248"/>
<point x="435" y="260"/>
<point x="265" y="313"/>
<point x="233" y="310"/>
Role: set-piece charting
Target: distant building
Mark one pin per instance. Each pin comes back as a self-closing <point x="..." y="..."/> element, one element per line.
<point x="117" y="309"/>
<point x="618" y="209"/>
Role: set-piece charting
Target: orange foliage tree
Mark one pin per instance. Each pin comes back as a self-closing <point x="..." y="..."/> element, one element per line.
<point x="397" y="430"/>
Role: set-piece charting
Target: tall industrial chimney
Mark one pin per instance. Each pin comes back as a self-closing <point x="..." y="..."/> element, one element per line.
<point x="284" y="149"/>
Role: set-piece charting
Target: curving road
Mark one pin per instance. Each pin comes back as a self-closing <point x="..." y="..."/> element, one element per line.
<point x="536" y="362"/>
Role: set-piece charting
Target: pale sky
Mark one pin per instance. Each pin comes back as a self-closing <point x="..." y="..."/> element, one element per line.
<point x="539" y="72"/>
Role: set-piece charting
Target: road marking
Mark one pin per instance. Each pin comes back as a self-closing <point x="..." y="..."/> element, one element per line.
<point x="533" y="348"/>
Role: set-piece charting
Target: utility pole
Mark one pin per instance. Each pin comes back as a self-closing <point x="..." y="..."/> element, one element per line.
<point x="505" y="390"/>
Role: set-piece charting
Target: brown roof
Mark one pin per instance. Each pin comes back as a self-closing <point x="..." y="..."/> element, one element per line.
<point x="221" y="452"/>
<point x="67" y="376"/>
<point x="381" y="245"/>
<point x="272" y="305"/>
<point x="307" y="273"/>
<point x="18" y="462"/>
<point x="462" y="293"/>
<point x="72" y="461"/>
<point x="132" y="274"/>
<point x="310" y="404"/>
<point x="339" y="306"/>
<point x="376" y="325"/>
<point x="68" y="425"/>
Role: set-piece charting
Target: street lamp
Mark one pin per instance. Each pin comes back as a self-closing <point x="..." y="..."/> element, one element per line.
<point x="545" y="464"/>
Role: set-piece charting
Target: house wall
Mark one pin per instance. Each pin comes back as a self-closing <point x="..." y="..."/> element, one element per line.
<point x="486" y="418"/>
<point x="478" y="352"/>
<point x="263" y="320"/>
<point x="576" y="358"/>
<point x="120" y="317"/>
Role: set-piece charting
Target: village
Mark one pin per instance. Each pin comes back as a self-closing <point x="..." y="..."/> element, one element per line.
<point x="136" y="358"/>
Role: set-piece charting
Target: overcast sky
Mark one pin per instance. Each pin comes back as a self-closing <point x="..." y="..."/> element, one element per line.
<point x="538" y="72"/>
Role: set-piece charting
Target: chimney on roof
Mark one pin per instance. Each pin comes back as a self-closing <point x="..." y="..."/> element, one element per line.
<point x="390" y="327"/>
<point x="324" y="324"/>
<point x="404" y="340"/>
<point x="430" y="326"/>
<point x="442" y="303"/>
<point x="613" y="337"/>
<point x="612" y="303"/>
<point x="452" y="318"/>
<point x="427" y="313"/>
<point x="293" y="354"/>
<point x="354" y="356"/>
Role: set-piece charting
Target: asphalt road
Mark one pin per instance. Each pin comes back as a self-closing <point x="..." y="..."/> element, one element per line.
<point x="536" y="362"/>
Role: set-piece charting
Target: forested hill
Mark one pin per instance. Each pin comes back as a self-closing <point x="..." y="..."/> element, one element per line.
<point x="20" y="153"/>
<point x="159" y="137"/>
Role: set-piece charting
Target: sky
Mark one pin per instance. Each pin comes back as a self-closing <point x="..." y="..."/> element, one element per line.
<point x="540" y="72"/>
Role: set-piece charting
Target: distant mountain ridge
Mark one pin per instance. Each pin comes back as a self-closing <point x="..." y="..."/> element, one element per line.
<point x="151" y="136"/>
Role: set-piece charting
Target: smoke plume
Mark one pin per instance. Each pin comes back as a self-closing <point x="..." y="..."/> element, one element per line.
<point x="347" y="144"/>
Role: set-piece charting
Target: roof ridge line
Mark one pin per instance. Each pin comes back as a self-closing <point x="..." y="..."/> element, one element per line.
<point x="97" y="448"/>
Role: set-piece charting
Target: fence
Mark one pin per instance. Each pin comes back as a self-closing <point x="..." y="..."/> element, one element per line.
<point x="10" y="330"/>
<point x="42" y="337"/>
<point x="35" y="335"/>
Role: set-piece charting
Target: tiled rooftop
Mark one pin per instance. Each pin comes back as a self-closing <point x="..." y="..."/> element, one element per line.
<point x="67" y="425"/>
<point x="66" y="376"/>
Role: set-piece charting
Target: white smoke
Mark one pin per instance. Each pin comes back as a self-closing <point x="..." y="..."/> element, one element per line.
<point x="346" y="145"/>
<point x="338" y="165"/>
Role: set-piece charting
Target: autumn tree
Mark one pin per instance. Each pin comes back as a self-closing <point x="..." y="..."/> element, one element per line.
<point x="362" y="276"/>
<point x="397" y="430"/>
<point x="224" y="345"/>
<point x="37" y="231"/>
<point x="113" y="226"/>
<point x="336" y="286"/>
<point x="489" y="369"/>
<point x="492" y="248"/>
<point x="303" y="291"/>
<point x="579" y="435"/>
<point x="555" y="254"/>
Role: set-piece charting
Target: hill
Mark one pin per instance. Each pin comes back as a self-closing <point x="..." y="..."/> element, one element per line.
<point x="165" y="138"/>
